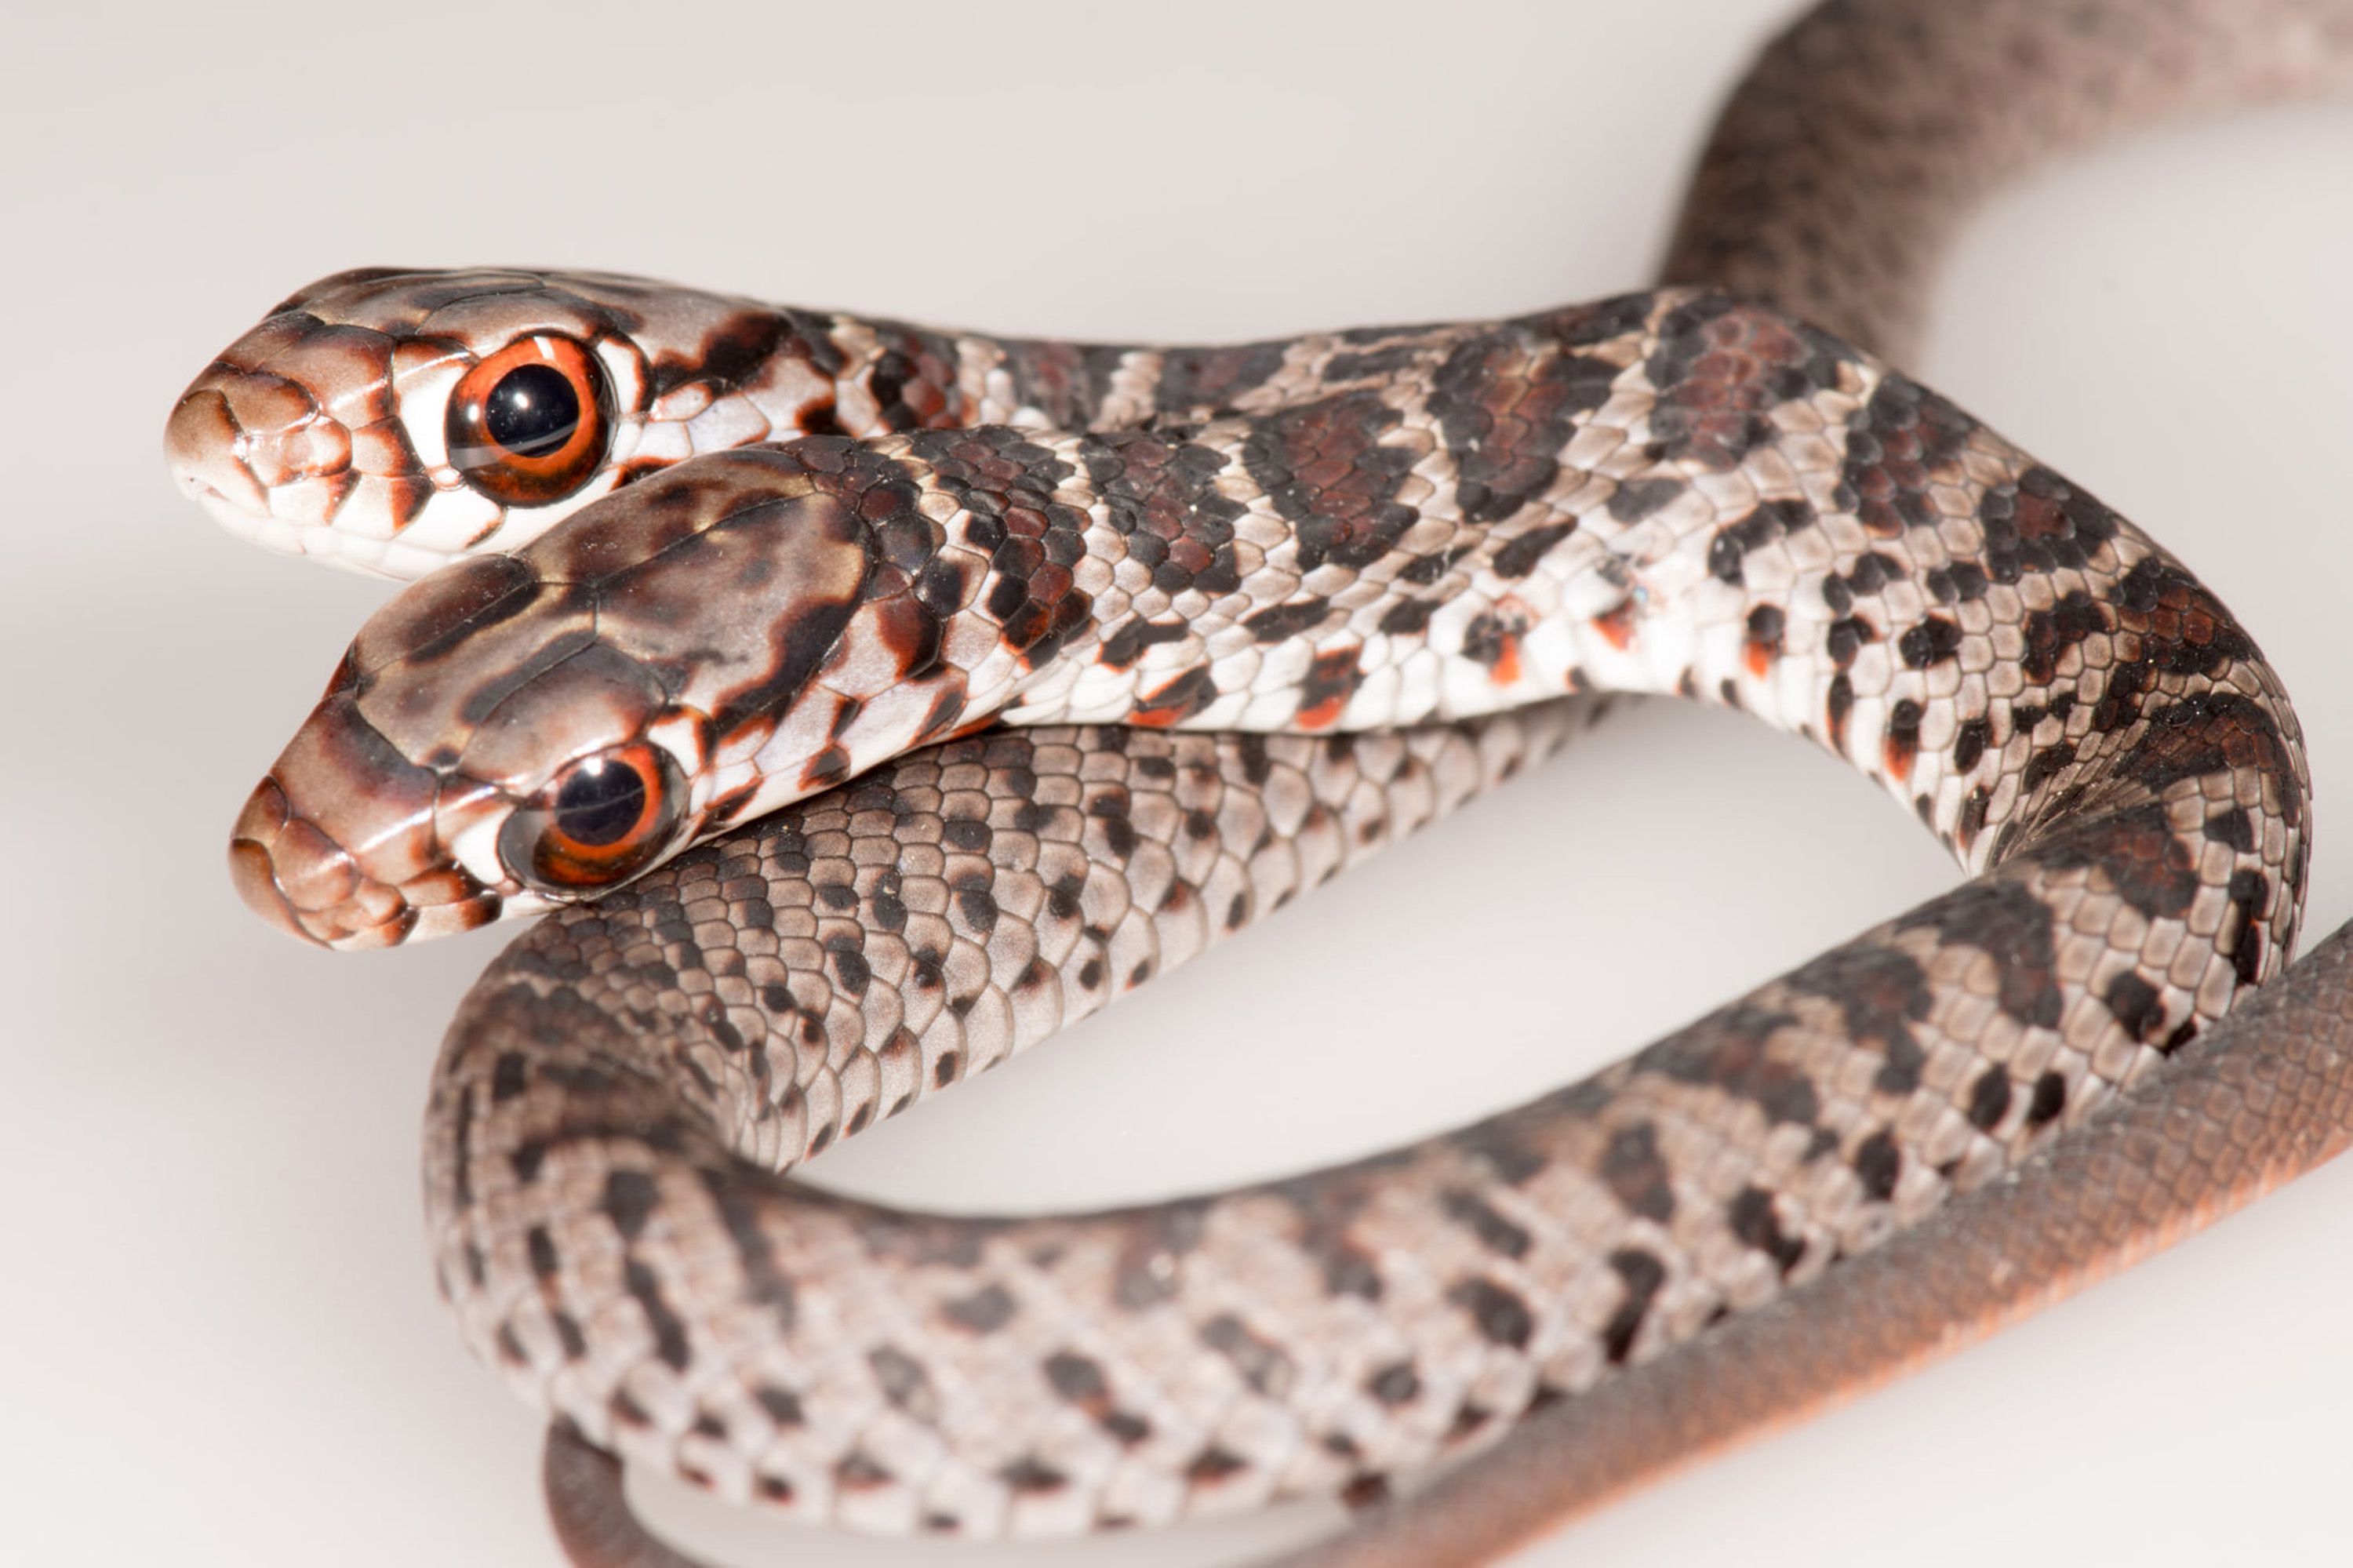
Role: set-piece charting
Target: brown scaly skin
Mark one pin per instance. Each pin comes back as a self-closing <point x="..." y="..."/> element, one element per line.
<point x="1313" y="1334"/>
<point x="2055" y="696"/>
<point x="591" y="1518"/>
<point x="1858" y="144"/>
<point x="2264" y="1097"/>
<point x="1834" y="1364"/>
<point x="325" y="431"/>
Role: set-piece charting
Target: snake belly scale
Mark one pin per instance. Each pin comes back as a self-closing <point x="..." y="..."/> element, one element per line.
<point x="1676" y="492"/>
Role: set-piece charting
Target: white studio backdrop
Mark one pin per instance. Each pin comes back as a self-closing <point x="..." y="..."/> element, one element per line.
<point x="218" y="1340"/>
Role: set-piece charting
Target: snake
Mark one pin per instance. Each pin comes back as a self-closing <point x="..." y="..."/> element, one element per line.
<point x="869" y="702"/>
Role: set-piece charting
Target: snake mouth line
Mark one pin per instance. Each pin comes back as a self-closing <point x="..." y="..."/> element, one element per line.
<point x="299" y="879"/>
<point x="279" y="460"/>
<point x="321" y="542"/>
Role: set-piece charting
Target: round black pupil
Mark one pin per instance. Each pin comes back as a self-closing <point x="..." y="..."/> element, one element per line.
<point x="532" y="411"/>
<point x="600" y="802"/>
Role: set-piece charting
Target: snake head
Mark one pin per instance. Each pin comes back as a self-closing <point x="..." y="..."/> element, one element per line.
<point x="518" y="731"/>
<point x="391" y="421"/>
<point x="470" y="708"/>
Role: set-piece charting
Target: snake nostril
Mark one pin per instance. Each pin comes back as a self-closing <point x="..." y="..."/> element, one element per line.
<point x="200" y="444"/>
<point x="301" y="879"/>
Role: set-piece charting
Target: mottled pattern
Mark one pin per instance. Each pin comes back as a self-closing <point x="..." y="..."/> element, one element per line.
<point x="2257" y="1101"/>
<point x="323" y="431"/>
<point x="1735" y="507"/>
<point x="1676" y="492"/>
<point x="2052" y="694"/>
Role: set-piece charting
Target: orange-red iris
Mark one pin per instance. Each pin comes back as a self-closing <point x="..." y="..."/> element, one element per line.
<point x="529" y="424"/>
<point x="603" y="818"/>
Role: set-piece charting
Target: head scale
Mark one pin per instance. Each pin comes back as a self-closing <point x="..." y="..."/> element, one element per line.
<point x="513" y="732"/>
<point x="391" y="421"/>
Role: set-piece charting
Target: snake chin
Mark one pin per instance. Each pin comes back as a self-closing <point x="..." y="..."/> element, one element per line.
<point x="303" y="880"/>
<point x="219" y="463"/>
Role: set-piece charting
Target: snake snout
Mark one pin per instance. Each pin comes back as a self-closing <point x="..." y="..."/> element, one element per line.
<point x="289" y="439"/>
<point x="348" y="867"/>
<point x="304" y="883"/>
<point x="256" y="450"/>
<point x="201" y="446"/>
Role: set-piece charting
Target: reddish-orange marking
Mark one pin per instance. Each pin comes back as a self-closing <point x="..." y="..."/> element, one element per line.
<point x="970" y="726"/>
<point x="1506" y="670"/>
<point x="1323" y="714"/>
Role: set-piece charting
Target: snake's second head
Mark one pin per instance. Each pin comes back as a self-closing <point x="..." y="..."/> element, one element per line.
<point x="391" y="421"/>
<point x="518" y="731"/>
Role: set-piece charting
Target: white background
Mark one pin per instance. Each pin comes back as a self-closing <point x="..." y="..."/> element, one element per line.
<point x="218" y="1341"/>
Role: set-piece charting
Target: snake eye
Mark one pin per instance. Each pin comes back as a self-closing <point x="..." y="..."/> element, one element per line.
<point x="529" y="424"/>
<point x="601" y="820"/>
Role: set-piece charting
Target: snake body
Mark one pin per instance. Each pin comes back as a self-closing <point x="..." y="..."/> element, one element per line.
<point x="1679" y="492"/>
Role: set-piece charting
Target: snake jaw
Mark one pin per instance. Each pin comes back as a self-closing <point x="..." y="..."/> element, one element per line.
<point x="289" y="439"/>
<point x="340" y="843"/>
<point x="301" y="879"/>
<point x="215" y="458"/>
<point x="306" y="884"/>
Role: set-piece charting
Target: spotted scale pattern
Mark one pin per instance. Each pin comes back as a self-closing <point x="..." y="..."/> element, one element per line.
<point x="1860" y="273"/>
<point x="1730" y="505"/>
<point x="2245" y="1108"/>
<point x="322" y="431"/>
<point x="1749" y="512"/>
<point x="910" y="928"/>
<point x="834" y="963"/>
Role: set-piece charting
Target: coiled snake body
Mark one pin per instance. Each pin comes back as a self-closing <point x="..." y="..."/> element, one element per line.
<point x="1294" y="545"/>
